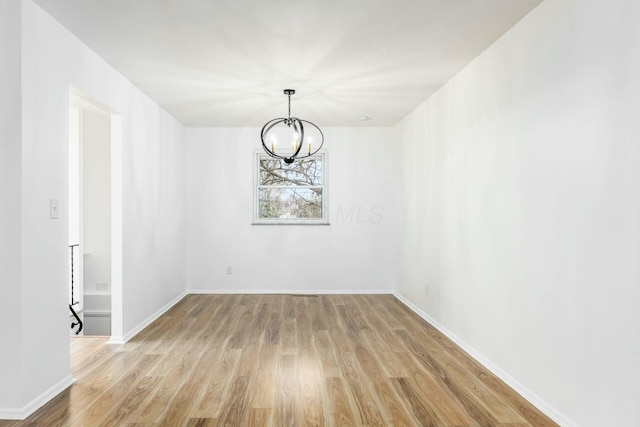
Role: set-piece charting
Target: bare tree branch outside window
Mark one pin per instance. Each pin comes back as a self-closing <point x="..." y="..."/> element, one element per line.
<point x="290" y="191"/>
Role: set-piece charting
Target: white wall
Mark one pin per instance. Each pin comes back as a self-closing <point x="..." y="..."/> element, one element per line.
<point x="152" y="180"/>
<point x="519" y="203"/>
<point x="73" y="192"/>
<point x="96" y="190"/>
<point x="154" y="206"/>
<point x="10" y="181"/>
<point x="353" y="254"/>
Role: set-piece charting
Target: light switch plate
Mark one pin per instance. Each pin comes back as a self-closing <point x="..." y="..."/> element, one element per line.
<point x="53" y="209"/>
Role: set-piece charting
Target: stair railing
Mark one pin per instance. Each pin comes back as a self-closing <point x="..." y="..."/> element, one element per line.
<point x="79" y="321"/>
<point x="72" y="249"/>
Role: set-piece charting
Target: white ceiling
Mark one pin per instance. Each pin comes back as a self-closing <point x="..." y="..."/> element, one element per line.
<point x="226" y="62"/>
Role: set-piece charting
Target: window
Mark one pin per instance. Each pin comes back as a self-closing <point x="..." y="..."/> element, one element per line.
<point x="293" y="193"/>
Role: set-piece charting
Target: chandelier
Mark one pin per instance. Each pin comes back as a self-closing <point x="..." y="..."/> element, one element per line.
<point x="288" y="139"/>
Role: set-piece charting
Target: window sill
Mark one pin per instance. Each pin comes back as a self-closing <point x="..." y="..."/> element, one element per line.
<point x="290" y="223"/>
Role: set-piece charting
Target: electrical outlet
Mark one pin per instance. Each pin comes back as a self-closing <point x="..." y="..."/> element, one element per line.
<point x="229" y="269"/>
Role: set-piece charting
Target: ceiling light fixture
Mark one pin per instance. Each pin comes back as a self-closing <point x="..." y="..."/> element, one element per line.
<point x="291" y="129"/>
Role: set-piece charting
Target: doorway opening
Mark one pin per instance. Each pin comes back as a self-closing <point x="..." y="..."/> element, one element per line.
<point x="91" y="246"/>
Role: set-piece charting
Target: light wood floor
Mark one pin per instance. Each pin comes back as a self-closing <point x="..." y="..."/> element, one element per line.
<point x="283" y="360"/>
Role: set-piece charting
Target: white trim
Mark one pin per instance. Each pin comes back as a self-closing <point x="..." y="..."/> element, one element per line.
<point x="117" y="233"/>
<point x="132" y="333"/>
<point x="290" y="223"/>
<point x="38" y="402"/>
<point x="288" y="292"/>
<point x="97" y="313"/>
<point x="521" y="389"/>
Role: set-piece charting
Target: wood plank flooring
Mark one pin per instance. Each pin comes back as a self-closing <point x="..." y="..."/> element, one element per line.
<point x="283" y="360"/>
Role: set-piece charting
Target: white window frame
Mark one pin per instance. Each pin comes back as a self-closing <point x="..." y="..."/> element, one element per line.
<point x="258" y="155"/>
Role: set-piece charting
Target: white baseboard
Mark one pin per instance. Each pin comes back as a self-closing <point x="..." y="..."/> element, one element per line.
<point x="38" y="402"/>
<point x="132" y="333"/>
<point x="288" y="292"/>
<point x="522" y="390"/>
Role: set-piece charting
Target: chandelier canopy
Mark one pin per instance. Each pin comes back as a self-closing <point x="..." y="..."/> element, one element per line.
<point x="304" y="137"/>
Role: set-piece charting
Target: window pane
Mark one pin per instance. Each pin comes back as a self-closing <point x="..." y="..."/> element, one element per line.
<point x="301" y="172"/>
<point x="290" y="203"/>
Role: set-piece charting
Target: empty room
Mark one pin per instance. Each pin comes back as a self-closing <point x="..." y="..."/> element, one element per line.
<point x="320" y="213"/>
